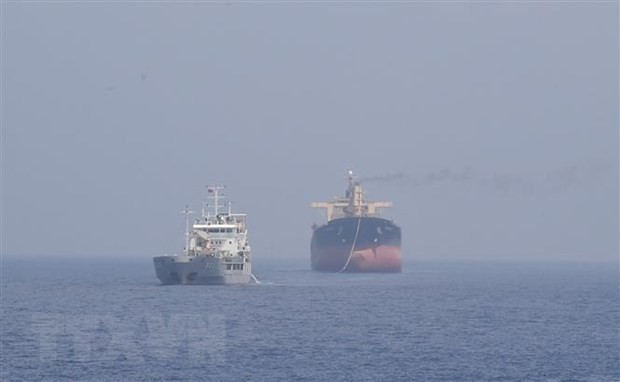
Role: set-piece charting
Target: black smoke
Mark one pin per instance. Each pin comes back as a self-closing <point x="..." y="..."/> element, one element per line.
<point x="556" y="180"/>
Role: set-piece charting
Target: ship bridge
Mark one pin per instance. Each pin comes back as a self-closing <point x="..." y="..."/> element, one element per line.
<point x="353" y="204"/>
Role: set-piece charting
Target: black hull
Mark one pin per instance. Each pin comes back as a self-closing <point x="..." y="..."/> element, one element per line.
<point x="377" y="246"/>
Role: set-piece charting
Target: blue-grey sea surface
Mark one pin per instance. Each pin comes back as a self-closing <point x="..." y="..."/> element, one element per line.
<point x="110" y="320"/>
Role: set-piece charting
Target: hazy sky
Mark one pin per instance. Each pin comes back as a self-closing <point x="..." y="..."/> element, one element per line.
<point x="493" y="127"/>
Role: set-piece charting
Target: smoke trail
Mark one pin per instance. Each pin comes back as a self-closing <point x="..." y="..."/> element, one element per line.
<point x="384" y="178"/>
<point x="444" y="175"/>
<point x="557" y="180"/>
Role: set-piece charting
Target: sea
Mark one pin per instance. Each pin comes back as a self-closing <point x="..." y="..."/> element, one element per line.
<point x="439" y="320"/>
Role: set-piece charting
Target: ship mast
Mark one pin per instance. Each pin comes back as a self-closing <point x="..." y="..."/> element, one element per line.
<point x="187" y="212"/>
<point x="352" y="204"/>
<point x="215" y="190"/>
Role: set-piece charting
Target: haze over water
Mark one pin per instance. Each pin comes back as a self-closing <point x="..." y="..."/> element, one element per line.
<point x="502" y="117"/>
<point x="492" y="126"/>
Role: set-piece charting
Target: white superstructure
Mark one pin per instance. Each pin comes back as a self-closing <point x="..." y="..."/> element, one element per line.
<point x="216" y="249"/>
<point x="353" y="204"/>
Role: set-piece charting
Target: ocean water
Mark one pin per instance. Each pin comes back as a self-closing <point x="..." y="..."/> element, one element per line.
<point x="110" y="320"/>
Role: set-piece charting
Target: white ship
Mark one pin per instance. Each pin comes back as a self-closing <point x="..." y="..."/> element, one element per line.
<point x="216" y="250"/>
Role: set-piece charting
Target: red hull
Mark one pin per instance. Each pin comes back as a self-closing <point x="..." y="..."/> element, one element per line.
<point x="382" y="258"/>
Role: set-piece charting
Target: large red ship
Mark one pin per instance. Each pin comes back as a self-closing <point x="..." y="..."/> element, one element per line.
<point x="355" y="238"/>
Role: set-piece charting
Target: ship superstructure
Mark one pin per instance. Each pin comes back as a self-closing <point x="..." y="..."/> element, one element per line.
<point x="216" y="251"/>
<point x="356" y="238"/>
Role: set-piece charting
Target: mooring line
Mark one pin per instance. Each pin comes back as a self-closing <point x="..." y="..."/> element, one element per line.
<point x="359" y="221"/>
<point x="255" y="279"/>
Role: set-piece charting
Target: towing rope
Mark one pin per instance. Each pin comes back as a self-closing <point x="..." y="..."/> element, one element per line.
<point x="359" y="221"/>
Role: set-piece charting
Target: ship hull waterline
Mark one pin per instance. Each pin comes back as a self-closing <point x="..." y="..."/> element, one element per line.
<point x="184" y="270"/>
<point x="372" y="259"/>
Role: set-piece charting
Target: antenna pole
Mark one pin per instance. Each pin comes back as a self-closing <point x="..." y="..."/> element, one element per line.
<point x="187" y="212"/>
<point x="216" y="191"/>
